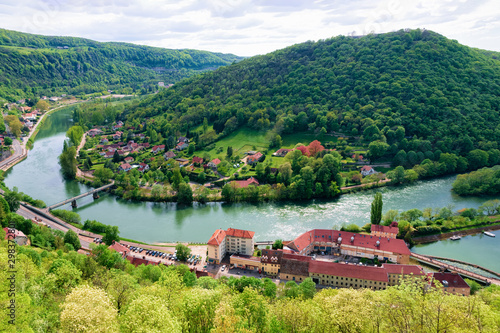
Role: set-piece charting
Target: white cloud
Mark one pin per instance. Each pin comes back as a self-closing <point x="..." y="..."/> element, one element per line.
<point x="249" y="27"/>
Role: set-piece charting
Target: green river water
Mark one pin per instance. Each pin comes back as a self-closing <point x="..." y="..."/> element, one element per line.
<point x="39" y="176"/>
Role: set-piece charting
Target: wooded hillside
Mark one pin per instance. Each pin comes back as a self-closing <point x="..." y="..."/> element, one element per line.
<point x="34" y="64"/>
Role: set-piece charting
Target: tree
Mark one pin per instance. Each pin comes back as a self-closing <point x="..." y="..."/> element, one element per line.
<point x="70" y="237"/>
<point x="377" y="149"/>
<point x="176" y="178"/>
<point x="183" y="252"/>
<point x="88" y="309"/>
<point x="291" y="289"/>
<point x="285" y="171"/>
<point x="307" y="288"/>
<point x="67" y="161"/>
<point x="376" y="209"/>
<point x="13" y="198"/>
<point x="229" y="152"/>
<point x="315" y="147"/>
<point x="205" y="125"/>
<point x="191" y="148"/>
<point x="103" y="174"/>
<point x="184" y="194"/>
<point x="112" y="234"/>
<point x="116" y="157"/>
<point x="75" y="135"/>
<point x="42" y="105"/>
<point x="259" y="171"/>
<point x="7" y="141"/>
<point x="149" y="314"/>
<point x="278" y="244"/>
<point x="14" y="124"/>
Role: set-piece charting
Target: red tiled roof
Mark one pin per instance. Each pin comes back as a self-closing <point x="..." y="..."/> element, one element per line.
<point x="454" y="280"/>
<point x="119" y="248"/>
<point x="216" y="161"/>
<point x="296" y="257"/>
<point x="347" y="270"/>
<point x="366" y="168"/>
<point x="360" y="240"/>
<point x="125" y="166"/>
<point x="139" y="261"/>
<point x="271" y="256"/>
<point x="197" y="159"/>
<point x="384" y="228"/>
<point x="217" y="237"/>
<point x="245" y="183"/>
<point x="17" y="233"/>
<point x="240" y="233"/>
<point x="403" y="269"/>
<point x="294" y="267"/>
<point x="255" y="156"/>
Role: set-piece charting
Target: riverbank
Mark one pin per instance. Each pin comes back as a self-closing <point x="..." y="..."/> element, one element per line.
<point x="462" y="232"/>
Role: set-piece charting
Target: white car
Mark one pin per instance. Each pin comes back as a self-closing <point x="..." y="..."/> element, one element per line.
<point x="223" y="267"/>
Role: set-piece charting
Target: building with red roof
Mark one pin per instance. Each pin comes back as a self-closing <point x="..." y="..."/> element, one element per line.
<point x="17" y="236"/>
<point x="367" y="170"/>
<point x="282" y="152"/>
<point x="353" y="244"/>
<point x="214" y="163"/>
<point x="122" y="249"/>
<point x="157" y="149"/>
<point x="245" y="183"/>
<point x="396" y="273"/>
<point x="390" y="231"/>
<point x="230" y="241"/>
<point x="451" y="283"/>
<point x="253" y="159"/>
<point x="348" y="275"/>
<point x="140" y="261"/>
<point x="125" y="167"/>
<point x="197" y="160"/>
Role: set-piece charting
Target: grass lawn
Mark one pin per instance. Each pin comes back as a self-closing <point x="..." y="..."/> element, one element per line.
<point x="290" y="140"/>
<point x="241" y="140"/>
<point x="97" y="166"/>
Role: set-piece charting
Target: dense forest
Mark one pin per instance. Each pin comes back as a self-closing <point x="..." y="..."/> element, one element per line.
<point x="63" y="291"/>
<point x="33" y="65"/>
<point x="413" y="91"/>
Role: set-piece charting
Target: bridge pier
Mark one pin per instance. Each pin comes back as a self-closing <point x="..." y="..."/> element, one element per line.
<point x="95" y="195"/>
<point x="73" y="204"/>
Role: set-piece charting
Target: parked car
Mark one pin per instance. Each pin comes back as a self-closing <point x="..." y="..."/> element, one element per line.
<point x="223" y="267"/>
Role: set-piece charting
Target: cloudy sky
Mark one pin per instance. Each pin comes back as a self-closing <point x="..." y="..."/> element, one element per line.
<point x="250" y="27"/>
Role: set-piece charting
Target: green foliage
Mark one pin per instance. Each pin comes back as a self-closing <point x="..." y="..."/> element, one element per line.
<point x="183" y="252"/>
<point x="67" y="161"/>
<point x="483" y="181"/>
<point x="66" y="215"/>
<point x="278" y="244"/>
<point x="185" y="194"/>
<point x="112" y="234"/>
<point x="13" y="199"/>
<point x="33" y="65"/>
<point x="376" y="209"/>
<point x="75" y="135"/>
<point x="70" y="237"/>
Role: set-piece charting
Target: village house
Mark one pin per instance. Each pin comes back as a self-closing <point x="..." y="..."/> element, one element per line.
<point x="397" y="273"/>
<point x="271" y="261"/>
<point x="197" y="160"/>
<point x="282" y="152"/>
<point x="121" y="249"/>
<point x="17" y="236"/>
<point x="245" y="183"/>
<point x="168" y="155"/>
<point x="214" y="163"/>
<point x="129" y="159"/>
<point x="390" y="231"/>
<point x="181" y="146"/>
<point x="117" y="126"/>
<point x="143" y="167"/>
<point x="145" y="145"/>
<point x="234" y="241"/>
<point x="109" y="154"/>
<point x="29" y="116"/>
<point x="54" y="99"/>
<point x="158" y="149"/>
<point x="353" y="244"/>
<point x="183" y="139"/>
<point x="104" y="140"/>
<point x="182" y="161"/>
<point x="125" y="167"/>
<point x="253" y="159"/>
<point x="94" y="131"/>
<point x="117" y="135"/>
<point x="367" y="170"/>
<point x="451" y="283"/>
<point x="357" y="157"/>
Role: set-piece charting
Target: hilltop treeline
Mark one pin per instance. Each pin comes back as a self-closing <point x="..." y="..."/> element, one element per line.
<point x="70" y="292"/>
<point x="408" y="90"/>
<point x="33" y="65"/>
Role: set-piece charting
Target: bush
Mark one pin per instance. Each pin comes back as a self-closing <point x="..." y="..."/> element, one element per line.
<point x="66" y="215"/>
<point x="94" y="226"/>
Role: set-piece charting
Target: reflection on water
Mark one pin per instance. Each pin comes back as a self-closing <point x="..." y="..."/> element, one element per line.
<point x="39" y="176"/>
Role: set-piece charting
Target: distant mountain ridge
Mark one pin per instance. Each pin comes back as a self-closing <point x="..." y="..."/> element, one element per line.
<point x="415" y="89"/>
<point x="34" y="64"/>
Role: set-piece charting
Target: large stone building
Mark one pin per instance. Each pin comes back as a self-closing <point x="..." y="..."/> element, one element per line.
<point x="349" y="243"/>
<point x="390" y="231"/>
<point x="233" y="241"/>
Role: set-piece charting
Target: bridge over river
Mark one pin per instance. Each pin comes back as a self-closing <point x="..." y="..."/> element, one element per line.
<point x="451" y="264"/>
<point x="73" y="200"/>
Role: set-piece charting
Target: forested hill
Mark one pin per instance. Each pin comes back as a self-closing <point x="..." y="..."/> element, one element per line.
<point x="34" y="64"/>
<point x="433" y="87"/>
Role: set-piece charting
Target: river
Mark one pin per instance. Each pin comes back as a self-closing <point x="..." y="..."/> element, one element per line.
<point x="40" y="177"/>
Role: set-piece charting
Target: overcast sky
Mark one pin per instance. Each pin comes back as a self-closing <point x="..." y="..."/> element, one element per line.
<point x="250" y="27"/>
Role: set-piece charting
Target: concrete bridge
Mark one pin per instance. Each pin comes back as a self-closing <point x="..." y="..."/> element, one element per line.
<point x="441" y="265"/>
<point x="93" y="192"/>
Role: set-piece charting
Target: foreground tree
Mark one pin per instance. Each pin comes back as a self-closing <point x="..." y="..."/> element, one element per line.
<point x="183" y="252"/>
<point x="112" y="234"/>
<point x="88" y="309"/>
<point x="70" y="237"/>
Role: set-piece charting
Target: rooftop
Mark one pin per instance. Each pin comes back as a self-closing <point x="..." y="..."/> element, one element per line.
<point x="347" y="270"/>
